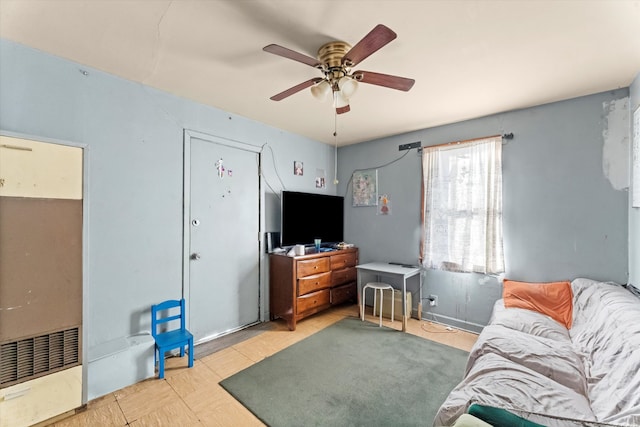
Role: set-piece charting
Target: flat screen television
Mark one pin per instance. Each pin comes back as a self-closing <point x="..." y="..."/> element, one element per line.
<point x="309" y="216"/>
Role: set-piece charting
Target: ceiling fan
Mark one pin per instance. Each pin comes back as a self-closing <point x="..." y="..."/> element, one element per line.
<point x="335" y="60"/>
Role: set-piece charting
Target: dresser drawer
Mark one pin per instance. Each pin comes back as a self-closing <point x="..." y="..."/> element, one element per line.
<point x="343" y="260"/>
<point x="345" y="275"/>
<point x="314" y="283"/>
<point x="344" y="293"/>
<point x="314" y="300"/>
<point x="313" y="266"/>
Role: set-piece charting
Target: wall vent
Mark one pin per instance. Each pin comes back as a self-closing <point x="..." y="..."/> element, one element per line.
<point x="34" y="357"/>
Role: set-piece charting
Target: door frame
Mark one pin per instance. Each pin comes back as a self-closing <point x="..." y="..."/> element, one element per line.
<point x="186" y="217"/>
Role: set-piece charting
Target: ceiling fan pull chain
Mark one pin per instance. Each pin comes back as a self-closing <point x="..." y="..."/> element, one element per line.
<point x="335" y="154"/>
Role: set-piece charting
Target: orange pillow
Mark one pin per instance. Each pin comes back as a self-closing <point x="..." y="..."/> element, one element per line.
<point x="554" y="299"/>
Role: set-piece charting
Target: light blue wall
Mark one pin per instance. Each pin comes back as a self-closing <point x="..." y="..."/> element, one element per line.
<point x="634" y="213"/>
<point x="562" y="217"/>
<point x="134" y="178"/>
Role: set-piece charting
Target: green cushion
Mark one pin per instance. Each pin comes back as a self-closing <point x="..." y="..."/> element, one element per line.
<point x="498" y="417"/>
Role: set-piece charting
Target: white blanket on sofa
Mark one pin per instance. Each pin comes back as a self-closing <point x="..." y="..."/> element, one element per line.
<point x="528" y="363"/>
<point x="606" y="329"/>
<point x="499" y="382"/>
<point x="553" y="359"/>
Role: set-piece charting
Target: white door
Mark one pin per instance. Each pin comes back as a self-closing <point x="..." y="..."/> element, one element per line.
<point x="222" y="236"/>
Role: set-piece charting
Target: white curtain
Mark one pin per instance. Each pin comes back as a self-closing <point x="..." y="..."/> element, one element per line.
<point x="462" y="207"/>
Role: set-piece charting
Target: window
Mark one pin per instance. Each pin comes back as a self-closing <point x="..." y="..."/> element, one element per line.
<point x="462" y="206"/>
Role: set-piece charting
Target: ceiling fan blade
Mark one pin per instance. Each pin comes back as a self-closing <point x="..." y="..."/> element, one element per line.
<point x="342" y="110"/>
<point x="295" y="89"/>
<point x="377" y="38"/>
<point x="393" y="82"/>
<point x="291" y="54"/>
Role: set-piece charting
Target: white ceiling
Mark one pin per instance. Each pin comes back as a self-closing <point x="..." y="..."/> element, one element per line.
<point x="469" y="58"/>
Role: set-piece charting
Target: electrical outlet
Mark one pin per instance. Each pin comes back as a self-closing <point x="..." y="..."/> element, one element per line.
<point x="433" y="300"/>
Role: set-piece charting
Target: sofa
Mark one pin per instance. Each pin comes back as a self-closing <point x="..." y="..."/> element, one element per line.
<point x="576" y="364"/>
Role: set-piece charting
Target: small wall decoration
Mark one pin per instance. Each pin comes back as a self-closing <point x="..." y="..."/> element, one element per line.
<point x="320" y="179"/>
<point x="384" y="205"/>
<point x="220" y="168"/>
<point x="298" y="168"/>
<point x="365" y="188"/>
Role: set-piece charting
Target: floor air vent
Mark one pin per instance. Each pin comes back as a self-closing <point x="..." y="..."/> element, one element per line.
<point x="33" y="357"/>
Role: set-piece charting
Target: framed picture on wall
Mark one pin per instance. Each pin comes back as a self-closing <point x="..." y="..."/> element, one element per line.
<point x="365" y="188"/>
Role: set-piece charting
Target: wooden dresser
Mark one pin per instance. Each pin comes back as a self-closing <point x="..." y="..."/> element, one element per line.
<point x="304" y="285"/>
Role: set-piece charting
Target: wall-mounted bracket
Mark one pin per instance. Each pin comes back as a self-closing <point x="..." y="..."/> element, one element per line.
<point x="403" y="147"/>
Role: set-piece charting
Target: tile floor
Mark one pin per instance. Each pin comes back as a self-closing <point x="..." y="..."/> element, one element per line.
<point x="192" y="397"/>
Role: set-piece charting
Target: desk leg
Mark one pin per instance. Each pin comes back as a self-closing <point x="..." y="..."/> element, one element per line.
<point x="404" y="305"/>
<point x="420" y="296"/>
<point x="359" y="292"/>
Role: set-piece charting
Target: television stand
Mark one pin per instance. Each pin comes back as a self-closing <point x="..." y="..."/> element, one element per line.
<point x="301" y="286"/>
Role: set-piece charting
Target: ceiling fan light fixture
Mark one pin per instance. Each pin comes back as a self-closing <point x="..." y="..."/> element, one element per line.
<point x="339" y="100"/>
<point x="321" y="90"/>
<point x="348" y="86"/>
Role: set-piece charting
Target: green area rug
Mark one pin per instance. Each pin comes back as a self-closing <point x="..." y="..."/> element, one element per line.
<point x="352" y="373"/>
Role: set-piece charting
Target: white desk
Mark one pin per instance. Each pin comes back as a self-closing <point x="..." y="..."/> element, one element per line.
<point x="396" y="271"/>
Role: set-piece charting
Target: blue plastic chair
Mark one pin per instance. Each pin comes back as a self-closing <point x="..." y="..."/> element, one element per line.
<point x="170" y="337"/>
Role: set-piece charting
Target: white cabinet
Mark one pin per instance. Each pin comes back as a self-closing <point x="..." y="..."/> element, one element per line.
<point x="42" y="398"/>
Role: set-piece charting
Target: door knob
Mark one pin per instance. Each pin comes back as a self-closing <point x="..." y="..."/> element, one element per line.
<point x="195" y="256"/>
